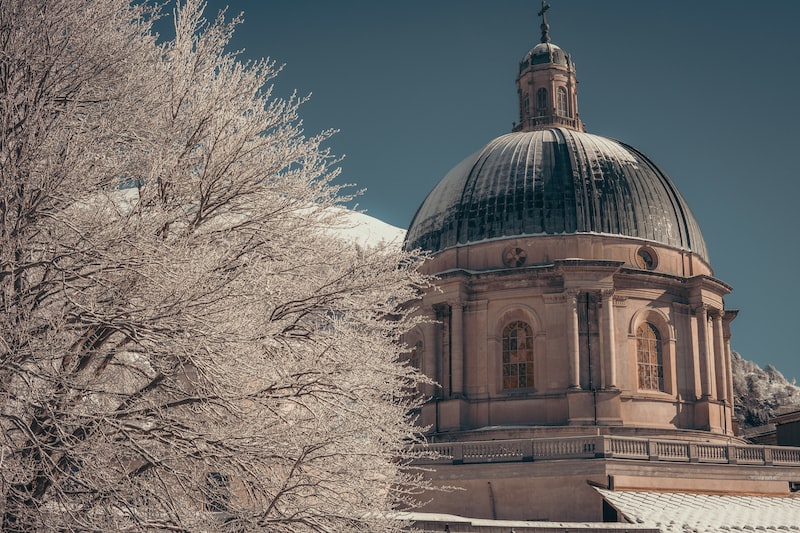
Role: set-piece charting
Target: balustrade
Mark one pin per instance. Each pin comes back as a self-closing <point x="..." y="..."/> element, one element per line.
<point x="669" y="450"/>
<point x="493" y="451"/>
<point x="516" y="450"/>
<point x="629" y="448"/>
<point x="573" y="447"/>
<point x="749" y="454"/>
<point x="785" y="455"/>
<point x="712" y="453"/>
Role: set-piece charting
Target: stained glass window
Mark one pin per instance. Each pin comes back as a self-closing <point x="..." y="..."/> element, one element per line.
<point x="649" y="357"/>
<point x="517" y="356"/>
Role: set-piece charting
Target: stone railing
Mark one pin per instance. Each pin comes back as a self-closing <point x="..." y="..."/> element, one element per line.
<point x="607" y="446"/>
<point x="547" y="120"/>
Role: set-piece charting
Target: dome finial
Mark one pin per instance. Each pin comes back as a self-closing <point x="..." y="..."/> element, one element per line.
<point x="545" y="26"/>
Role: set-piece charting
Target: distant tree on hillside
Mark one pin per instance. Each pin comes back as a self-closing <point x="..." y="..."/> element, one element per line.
<point x="184" y="343"/>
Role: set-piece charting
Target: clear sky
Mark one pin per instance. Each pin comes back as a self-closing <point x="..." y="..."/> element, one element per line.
<point x="707" y="89"/>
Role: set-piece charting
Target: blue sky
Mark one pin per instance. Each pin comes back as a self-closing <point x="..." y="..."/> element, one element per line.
<point x="707" y="89"/>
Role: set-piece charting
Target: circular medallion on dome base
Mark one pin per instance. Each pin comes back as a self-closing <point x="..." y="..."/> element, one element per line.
<point x="646" y="258"/>
<point x="514" y="257"/>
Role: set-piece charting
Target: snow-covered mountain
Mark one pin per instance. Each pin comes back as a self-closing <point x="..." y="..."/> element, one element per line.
<point x="369" y="231"/>
<point x="760" y="393"/>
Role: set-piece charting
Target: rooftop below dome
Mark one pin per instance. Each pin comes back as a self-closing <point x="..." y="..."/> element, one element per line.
<point x="554" y="182"/>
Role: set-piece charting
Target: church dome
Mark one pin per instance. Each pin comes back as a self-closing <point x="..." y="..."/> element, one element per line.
<point x="554" y="181"/>
<point x="544" y="53"/>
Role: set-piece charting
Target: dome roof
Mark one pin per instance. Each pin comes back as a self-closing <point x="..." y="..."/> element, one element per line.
<point x="554" y="182"/>
<point x="544" y="53"/>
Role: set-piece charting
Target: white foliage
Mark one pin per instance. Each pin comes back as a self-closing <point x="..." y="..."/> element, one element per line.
<point x="199" y="351"/>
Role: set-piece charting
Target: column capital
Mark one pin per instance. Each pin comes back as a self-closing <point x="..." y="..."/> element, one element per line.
<point x="572" y="297"/>
<point x="702" y="309"/>
<point x="441" y="309"/>
<point x="716" y="314"/>
<point x="476" y="305"/>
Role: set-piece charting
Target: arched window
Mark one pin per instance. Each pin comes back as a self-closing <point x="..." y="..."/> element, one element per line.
<point x="650" y="360"/>
<point x="414" y="359"/>
<point x="416" y="354"/>
<point x="562" y="103"/>
<point x="517" y="356"/>
<point x="541" y="102"/>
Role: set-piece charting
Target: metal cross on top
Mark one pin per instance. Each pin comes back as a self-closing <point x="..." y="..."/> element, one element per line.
<point x="545" y="26"/>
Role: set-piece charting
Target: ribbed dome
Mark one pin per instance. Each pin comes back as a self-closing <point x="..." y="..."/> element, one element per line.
<point x="543" y="53"/>
<point x="554" y="182"/>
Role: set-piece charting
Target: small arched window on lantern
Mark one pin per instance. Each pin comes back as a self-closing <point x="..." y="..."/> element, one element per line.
<point x="649" y="357"/>
<point x="562" y="109"/>
<point x="517" y="356"/>
<point x="541" y="102"/>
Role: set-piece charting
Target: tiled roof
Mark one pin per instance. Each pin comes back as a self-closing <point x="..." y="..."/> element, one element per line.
<point x="704" y="513"/>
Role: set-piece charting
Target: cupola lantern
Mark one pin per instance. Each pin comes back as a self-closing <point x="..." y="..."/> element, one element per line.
<point x="547" y="86"/>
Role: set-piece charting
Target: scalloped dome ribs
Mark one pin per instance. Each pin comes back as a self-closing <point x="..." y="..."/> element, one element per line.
<point x="554" y="182"/>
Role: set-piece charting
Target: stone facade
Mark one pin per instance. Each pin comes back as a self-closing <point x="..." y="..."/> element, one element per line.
<point x="583" y="316"/>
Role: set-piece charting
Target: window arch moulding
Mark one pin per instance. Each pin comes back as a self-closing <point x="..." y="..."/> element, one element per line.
<point x="414" y="349"/>
<point x="655" y="316"/>
<point x="518" y="312"/>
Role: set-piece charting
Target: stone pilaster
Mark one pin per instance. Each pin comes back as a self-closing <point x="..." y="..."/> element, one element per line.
<point x="707" y="384"/>
<point x="457" y="348"/>
<point x="610" y="342"/>
<point x="573" y="340"/>
<point x="719" y="355"/>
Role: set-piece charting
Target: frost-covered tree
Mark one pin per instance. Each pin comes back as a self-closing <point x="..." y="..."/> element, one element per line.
<point x="185" y="344"/>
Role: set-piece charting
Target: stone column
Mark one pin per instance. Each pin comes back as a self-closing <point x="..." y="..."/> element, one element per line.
<point x="706" y="376"/>
<point x="720" y="368"/>
<point x="729" y="371"/>
<point x="428" y="360"/>
<point x="573" y="340"/>
<point x="573" y="100"/>
<point x="457" y="348"/>
<point x="610" y="378"/>
<point x="726" y="335"/>
<point x="443" y="349"/>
